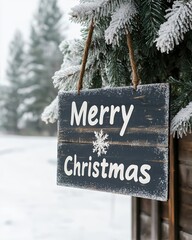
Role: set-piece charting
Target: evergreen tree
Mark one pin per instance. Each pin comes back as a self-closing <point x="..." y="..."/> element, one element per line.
<point x="44" y="58"/>
<point x="11" y="99"/>
<point x="161" y="32"/>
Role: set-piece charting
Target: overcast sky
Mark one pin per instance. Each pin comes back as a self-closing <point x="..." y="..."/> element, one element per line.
<point x="17" y="14"/>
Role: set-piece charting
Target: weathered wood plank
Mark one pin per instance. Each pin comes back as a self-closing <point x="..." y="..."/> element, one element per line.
<point x="185" y="236"/>
<point x="186" y="195"/>
<point x="135" y="221"/>
<point x="146" y="138"/>
<point x="185" y="175"/>
<point x="145" y="226"/>
<point x="185" y="190"/>
<point x="164" y="211"/>
<point x="164" y="231"/>
<point x="185" y="219"/>
<point x="155" y="221"/>
<point x="106" y="183"/>
<point x="185" y="157"/>
<point x="145" y="206"/>
<point x="173" y="193"/>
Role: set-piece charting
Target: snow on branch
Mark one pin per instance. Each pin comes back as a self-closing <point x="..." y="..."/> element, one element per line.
<point x="108" y="6"/>
<point x="181" y="123"/>
<point x="71" y="50"/>
<point x="62" y="76"/>
<point x="50" y="113"/>
<point x="179" y="21"/>
<point x="120" y="19"/>
<point x="85" y="11"/>
<point x="96" y="9"/>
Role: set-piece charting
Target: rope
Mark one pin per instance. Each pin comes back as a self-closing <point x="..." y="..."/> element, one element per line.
<point x="85" y="55"/>
<point x="135" y="76"/>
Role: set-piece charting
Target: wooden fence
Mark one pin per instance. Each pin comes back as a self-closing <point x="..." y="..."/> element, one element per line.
<point x="172" y="220"/>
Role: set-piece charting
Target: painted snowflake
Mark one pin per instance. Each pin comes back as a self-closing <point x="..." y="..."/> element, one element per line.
<point x="101" y="144"/>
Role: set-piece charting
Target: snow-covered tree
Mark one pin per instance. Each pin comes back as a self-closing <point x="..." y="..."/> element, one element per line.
<point x="161" y="36"/>
<point x="44" y="58"/>
<point x="11" y="99"/>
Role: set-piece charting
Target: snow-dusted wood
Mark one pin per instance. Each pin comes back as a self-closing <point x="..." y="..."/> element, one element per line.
<point x="115" y="140"/>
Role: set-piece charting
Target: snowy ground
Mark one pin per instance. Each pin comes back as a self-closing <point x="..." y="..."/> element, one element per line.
<point x="33" y="207"/>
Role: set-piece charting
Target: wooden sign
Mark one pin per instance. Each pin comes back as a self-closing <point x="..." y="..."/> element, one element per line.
<point x="115" y="140"/>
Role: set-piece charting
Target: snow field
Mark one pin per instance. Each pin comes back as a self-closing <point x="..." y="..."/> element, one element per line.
<point x="33" y="207"/>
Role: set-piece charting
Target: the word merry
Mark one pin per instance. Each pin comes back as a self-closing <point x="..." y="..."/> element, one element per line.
<point x="95" y="115"/>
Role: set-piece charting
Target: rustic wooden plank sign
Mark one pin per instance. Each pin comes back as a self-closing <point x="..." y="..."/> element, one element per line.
<point x="115" y="140"/>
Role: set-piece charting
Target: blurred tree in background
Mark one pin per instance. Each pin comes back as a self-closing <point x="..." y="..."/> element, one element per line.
<point x="43" y="60"/>
<point x="30" y="87"/>
<point x="11" y="99"/>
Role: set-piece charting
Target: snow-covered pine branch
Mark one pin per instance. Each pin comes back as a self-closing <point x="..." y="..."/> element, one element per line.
<point x="120" y="19"/>
<point x="50" y="113"/>
<point x="181" y="123"/>
<point x="109" y="6"/>
<point x="71" y="50"/>
<point x="64" y="78"/>
<point x="84" y="11"/>
<point x="96" y="9"/>
<point x="179" y="21"/>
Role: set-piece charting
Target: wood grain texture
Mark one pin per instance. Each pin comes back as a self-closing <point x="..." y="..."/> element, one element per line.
<point x="155" y="221"/>
<point x="164" y="211"/>
<point x="145" y="227"/>
<point x="185" y="187"/>
<point x="144" y="141"/>
<point x="173" y="193"/>
<point x="145" y="206"/>
<point x="135" y="219"/>
<point x="177" y="218"/>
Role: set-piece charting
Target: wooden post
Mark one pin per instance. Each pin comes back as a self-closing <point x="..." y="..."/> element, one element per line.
<point x="173" y="186"/>
<point x="155" y="220"/>
<point x="135" y="218"/>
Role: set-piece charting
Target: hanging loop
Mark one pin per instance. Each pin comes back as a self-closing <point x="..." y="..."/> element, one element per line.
<point x="85" y="55"/>
<point x="135" y="76"/>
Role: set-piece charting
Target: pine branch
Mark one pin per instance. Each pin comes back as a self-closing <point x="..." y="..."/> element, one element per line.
<point x="88" y="10"/>
<point x="62" y="77"/>
<point x="179" y="21"/>
<point x="109" y="6"/>
<point x="117" y="64"/>
<point x="152" y="17"/>
<point x="50" y="113"/>
<point x="181" y="123"/>
<point x="85" y="11"/>
<point x="120" y="20"/>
